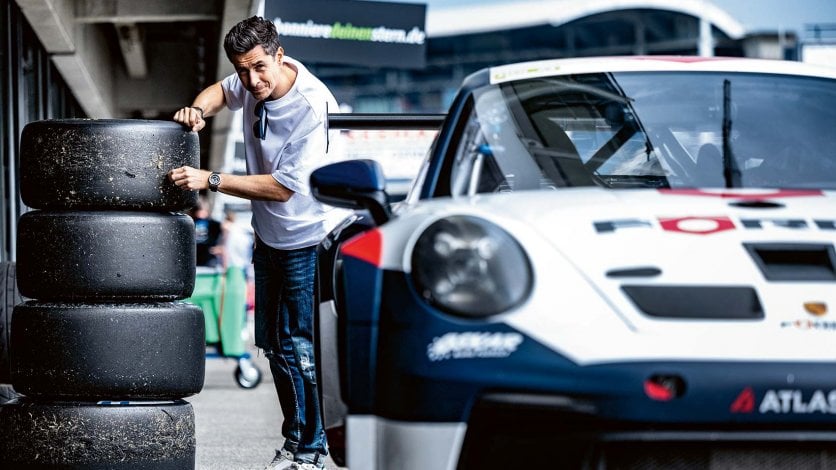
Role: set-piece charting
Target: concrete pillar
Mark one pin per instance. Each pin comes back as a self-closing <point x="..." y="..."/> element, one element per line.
<point x="234" y="11"/>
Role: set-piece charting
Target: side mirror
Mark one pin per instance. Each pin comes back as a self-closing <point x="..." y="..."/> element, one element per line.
<point x="353" y="184"/>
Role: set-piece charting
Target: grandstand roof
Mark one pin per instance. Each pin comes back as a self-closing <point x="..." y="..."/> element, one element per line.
<point x="502" y="16"/>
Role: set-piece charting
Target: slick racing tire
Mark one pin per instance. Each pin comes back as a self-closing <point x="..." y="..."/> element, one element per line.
<point x="9" y="297"/>
<point x="119" y="351"/>
<point x="105" y="164"/>
<point x="97" y="436"/>
<point x="105" y="255"/>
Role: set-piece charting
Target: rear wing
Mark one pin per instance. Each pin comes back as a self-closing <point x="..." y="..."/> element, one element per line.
<point x="377" y="121"/>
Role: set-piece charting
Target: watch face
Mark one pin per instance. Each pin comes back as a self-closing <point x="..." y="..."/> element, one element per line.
<point x="214" y="179"/>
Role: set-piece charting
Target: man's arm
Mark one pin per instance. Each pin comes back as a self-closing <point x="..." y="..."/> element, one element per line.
<point x="208" y="103"/>
<point x="253" y="187"/>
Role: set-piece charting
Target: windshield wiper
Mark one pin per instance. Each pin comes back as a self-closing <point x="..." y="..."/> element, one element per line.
<point x="731" y="172"/>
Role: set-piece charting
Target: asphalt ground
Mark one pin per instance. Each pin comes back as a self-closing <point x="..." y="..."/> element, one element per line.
<point x="237" y="428"/>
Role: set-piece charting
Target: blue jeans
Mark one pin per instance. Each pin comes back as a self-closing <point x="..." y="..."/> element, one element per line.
<point x="284" y="309"/>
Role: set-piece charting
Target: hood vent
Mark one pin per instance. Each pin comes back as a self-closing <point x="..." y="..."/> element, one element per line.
<point x="696" y="302"/>
<point x="794" y="261"/>
<point x="757" y="204"/>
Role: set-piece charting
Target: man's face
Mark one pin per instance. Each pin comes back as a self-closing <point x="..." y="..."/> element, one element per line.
<point x="258" y="71"/>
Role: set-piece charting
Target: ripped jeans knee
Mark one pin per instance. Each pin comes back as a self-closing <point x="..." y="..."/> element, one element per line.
<point x="303" y="351"/>
<point x="303" y="358"/>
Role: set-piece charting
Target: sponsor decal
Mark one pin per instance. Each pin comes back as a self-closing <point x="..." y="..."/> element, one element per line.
<point x="374" y="33"/>
<point x="816" y="309"/>
<point x="504" y="74"/>
<point x="707" y="225"/>
<point x="745" y="402"/>
<point x="135" y="403"/>
<point x="472" y="345"/>
<point x="684" y="59"/>
<point x="810" y="325"/>
<point x="786" y="401"/>
<point x="697" y="225"/>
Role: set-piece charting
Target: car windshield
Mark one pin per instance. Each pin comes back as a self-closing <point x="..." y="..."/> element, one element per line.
<point x="649" y="130"/>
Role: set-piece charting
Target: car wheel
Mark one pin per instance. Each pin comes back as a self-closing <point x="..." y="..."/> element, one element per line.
<point x="121" y="351"/>
<point x="9" y="297"/>
<point x="105" y="164"/>
<point x="104" y="435"/>
<point x="105" y="255"/>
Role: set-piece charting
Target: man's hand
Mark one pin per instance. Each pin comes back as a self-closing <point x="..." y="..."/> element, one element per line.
<point x="188" y="178"/>
<point x="191" y="117"/>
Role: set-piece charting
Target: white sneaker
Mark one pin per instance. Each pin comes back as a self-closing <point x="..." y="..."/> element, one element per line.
<point x="306" y="466"/>
<point x="282" y="461"/>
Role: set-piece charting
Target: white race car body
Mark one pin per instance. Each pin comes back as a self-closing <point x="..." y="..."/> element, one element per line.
<point x="595" y="266"/>
<point x="693" y="238"/>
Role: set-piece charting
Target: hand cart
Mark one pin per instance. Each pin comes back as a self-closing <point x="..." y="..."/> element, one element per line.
<point x="222" y="296"/>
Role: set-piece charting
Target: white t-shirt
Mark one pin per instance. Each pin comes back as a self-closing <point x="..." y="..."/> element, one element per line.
<point x="296" y="145"/>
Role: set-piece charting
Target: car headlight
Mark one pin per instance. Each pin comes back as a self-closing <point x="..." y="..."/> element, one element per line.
<point x="468" y="266"/>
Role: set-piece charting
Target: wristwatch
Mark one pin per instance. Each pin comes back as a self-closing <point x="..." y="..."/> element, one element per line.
<point x="214" y="181"/>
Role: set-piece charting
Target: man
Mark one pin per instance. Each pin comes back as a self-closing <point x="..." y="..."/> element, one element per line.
<point x="285" y="110"/>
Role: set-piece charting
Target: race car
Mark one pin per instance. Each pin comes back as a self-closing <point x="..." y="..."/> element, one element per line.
<point x="620" y="262"/>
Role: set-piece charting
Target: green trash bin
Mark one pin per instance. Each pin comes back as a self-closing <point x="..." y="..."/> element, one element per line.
<point x="222" y="297"/>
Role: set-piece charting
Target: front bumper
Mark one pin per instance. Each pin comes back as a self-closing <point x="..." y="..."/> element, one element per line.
<point x="509" y="430"/>
<point x="504" y="428"/>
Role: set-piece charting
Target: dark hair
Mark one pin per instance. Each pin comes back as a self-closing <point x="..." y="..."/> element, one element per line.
<point x="249" y="33"/>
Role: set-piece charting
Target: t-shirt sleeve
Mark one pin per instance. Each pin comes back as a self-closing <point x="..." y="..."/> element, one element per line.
<point x="301" y="156"/>
<point x="234" y="92"/>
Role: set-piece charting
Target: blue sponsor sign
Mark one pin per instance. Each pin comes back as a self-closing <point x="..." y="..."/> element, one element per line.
<point x="377" y="34"/>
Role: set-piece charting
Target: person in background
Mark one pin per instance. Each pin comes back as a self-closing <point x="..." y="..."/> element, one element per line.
<point x="238" y="254"/>
<point x="207" y="233"/>
<point x="285" y="110"/>
<point x="238" y="244"/>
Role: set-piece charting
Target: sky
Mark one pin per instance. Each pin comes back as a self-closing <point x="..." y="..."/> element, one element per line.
<point x="754" y="15"/>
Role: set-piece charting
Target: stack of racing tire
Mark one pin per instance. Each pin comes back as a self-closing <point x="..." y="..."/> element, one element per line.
<point x="9" y="297"/>
<point x="103" y="353"/>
